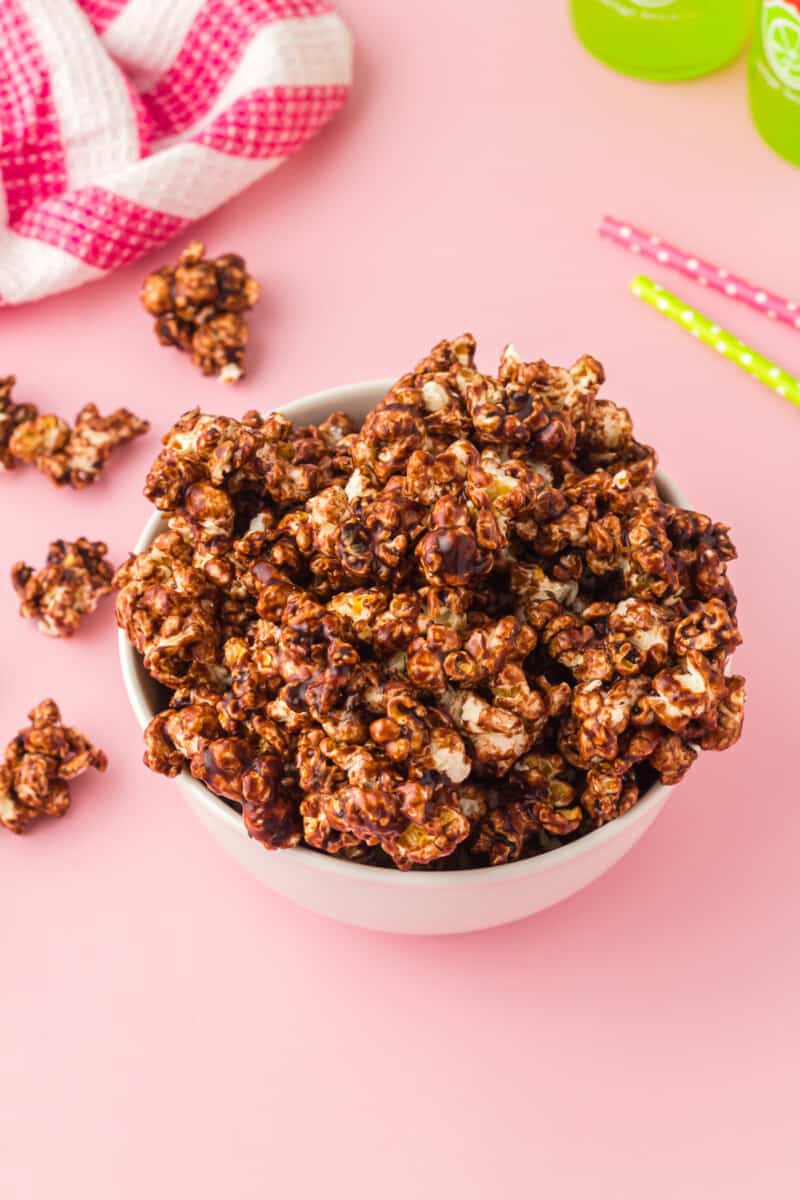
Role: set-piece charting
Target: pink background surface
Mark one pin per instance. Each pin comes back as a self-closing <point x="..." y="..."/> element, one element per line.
<point x="168" y="1026"/>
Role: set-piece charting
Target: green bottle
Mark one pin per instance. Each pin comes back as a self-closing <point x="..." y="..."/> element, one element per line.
<point x="663" y="39"/>
<point x="775" y="76"/>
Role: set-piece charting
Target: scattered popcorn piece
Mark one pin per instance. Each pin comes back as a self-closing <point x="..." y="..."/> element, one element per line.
<point x="11" y="415"/>
<point x="198" y="306"/>
<point x="38" y="766"/>
<point x="68" y="588"/>
<point x="74" y="457"/>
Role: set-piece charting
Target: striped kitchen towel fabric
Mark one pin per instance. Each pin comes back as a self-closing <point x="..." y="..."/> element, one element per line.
<point x="121" y="121"/>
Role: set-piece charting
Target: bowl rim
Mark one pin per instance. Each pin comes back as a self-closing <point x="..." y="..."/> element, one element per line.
<point x="303" y="856"/>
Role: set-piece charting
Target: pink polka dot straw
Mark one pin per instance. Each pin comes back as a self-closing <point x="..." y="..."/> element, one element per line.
<point x="706" y="273"/>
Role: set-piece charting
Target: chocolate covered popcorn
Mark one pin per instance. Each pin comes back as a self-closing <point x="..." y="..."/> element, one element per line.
<point x="67" y="588"/>
<point x="73" y="456"/>
<point x="468" y="632"/>
<point x="38" y="766"/>
<point x="11" y="415"/>
<point x="198" y="307"/>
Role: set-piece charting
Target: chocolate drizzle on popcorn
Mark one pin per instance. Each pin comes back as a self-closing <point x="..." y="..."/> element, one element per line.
<point x="466" y="633"/>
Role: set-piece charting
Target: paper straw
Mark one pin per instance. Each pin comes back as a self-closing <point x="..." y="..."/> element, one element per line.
<point x="707" y="274"/>
<point x="707" y="331"/>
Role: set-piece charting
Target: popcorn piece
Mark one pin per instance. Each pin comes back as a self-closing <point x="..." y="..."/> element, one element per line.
<point x="392" y="431"/>
<point x="437" y="837"/>
<point x="498" y="737"/>
<point x="603" y="714"/>
<point x="608" y="794"/>
<point x="361" y="607"/>
<point x="11" y="415"/>
<point x="502" y="833"/>
<point x="38" y="766"/>
<point x="648" y="567"/>
<point x="178" y="734"/>
<point x="689" y="691"/>
<point x="36" y="440"/>
<point x="708" y="627"/>
<point x="67" y="588"/>
<point x="318" y="831"/>
<point x="729" y="717"/>
<point x="168" y="610"/>
<point x="672" y="758"/>
<point x="639" y="632"/>
<point x="198" y="307"/>
<point x="74" y="456"/>
<point x="456" y="551"/>
<point x="375" y="546"/>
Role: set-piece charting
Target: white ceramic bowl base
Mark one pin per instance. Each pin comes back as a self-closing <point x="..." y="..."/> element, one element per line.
<point x="375" y="897"/>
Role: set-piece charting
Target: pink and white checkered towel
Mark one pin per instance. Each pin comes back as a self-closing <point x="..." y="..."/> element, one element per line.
<point x="123" y="120"/>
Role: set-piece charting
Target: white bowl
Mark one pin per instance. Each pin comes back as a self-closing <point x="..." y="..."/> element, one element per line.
<point x="380" y="898"/>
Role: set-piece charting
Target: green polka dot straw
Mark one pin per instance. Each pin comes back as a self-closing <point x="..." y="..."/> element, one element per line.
<point x="719" y="339"/>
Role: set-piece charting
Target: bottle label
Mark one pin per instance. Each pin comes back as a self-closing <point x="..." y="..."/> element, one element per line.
<point x="780" y="39"/>
<point x="653" y="10"/>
